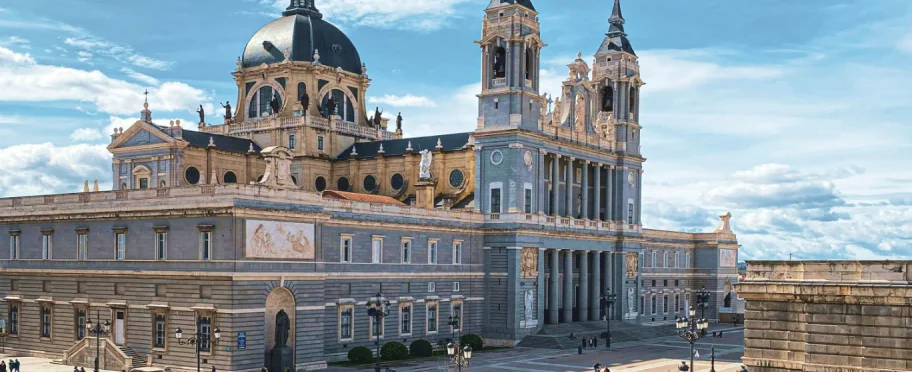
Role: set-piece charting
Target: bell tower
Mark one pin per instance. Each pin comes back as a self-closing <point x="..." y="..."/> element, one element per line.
<point x="616" y="73"/>
<point x="510" y="60"/>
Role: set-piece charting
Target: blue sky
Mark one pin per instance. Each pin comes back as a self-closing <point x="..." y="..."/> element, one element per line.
<point x="793" y="115"/>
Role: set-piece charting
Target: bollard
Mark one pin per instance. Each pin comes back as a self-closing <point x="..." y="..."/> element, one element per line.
<point x="579" y="349"/>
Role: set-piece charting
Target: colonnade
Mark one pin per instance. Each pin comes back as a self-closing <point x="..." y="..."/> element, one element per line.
<point x="562" y="204"/>
<point x="595" y="274"/>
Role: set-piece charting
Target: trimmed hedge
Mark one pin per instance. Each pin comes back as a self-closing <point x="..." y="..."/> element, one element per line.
<point x="421" y="348"/>
<point x="472" y="340"/>
<point x="394" y="351"/>
<point x="360" y="354"/>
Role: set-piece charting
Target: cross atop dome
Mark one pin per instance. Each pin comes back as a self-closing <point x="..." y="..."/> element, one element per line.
<point x="302" y="7"/>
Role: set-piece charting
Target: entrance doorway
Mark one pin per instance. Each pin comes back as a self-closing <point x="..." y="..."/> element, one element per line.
<point x="119" y="327"/>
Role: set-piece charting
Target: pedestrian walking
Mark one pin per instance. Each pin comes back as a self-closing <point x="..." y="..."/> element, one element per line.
<point x="597" y="367"/>
<point x="720" y="334"/>
<point x="714" y="334"/>
<point x="18" y="364"/>
<point x="82" y="369"/>
<point x="75" y="369"/>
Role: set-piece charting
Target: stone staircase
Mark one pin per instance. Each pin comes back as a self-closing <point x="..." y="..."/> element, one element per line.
<point x="556" y="336"/>
<point x="137" y="361"/>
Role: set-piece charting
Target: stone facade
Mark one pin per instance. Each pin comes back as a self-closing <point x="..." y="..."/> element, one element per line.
<point x="530" y="219"/>
<point x="828" y="316"/>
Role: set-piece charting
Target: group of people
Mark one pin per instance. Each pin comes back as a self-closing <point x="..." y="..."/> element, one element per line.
<point x="589" y="342"/>
<point x="598" y="368"/>
<point x="13" y="365"/>
<point x="80" y="369"/>
<point x="717" y="334"/>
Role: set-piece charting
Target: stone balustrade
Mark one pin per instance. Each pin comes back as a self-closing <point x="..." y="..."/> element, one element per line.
<point x="317" y="122"/>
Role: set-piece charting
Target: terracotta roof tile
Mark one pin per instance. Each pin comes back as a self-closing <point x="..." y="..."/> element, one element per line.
<point x="366" y="198"/>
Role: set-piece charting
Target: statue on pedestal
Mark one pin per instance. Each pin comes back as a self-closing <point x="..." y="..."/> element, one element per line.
<point x="202" y="114"/>
<point x="281" y="356"/>
<point x="424" y="170"/>
<point x="227" y="107"/>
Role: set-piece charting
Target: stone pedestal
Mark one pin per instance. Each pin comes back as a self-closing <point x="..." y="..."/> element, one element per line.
<point x="424" y="194"/>
<point x="281" y="358"/>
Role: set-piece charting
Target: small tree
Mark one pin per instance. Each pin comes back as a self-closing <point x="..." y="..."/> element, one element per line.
<point x="360" y="354"/>
<point x="421" y="348"/>
<point x="472" y="340"/>
<point x="394" y="351"/>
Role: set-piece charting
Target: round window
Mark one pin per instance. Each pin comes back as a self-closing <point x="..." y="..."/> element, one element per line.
<point x="497" y="157"/>
<point x="397" y="182"/>
<point x="370" y="184"/>
<point x="320" y="184"/>
<point x="229" y="177"/>
<point x="342" y="185"/>
<point x="456" y="178"/>
<point x="192" y="175"/>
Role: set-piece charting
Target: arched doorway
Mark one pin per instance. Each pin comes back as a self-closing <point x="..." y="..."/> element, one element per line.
<point x="280" y="298"/>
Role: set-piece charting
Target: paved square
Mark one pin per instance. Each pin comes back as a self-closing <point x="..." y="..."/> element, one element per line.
<point x="656" y="355"/>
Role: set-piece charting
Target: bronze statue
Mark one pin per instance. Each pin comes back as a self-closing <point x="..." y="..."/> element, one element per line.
<point x="227" y="107"/>
<point x="202" y="113"/>
<point x="727" y="302"/>
<point x="377" y="116"/>
<point x="399" y="121"/>
<point x="281" y="329"/>
<point x="331" y="106"/>
<point x="305" y="100"/>
<point x="274" y="104"/>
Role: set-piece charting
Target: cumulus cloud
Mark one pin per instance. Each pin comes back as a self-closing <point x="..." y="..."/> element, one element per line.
<point x="17" y="42"/>
<point x="410" y="15"/>
<point x="34" y="169"/>
<point x="140" y="77"/>
<point x="663" y="215"/>
<point x="675" y="70"/>
<point x="407" y="100"/>
<point x="27" y="81"/>
<point x="122" y="53"/>
<point x="770" y="173"/>
<point x="85" y="134"/>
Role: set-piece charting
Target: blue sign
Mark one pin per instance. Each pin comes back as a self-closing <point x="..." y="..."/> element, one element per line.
<point x="242" y="340"/>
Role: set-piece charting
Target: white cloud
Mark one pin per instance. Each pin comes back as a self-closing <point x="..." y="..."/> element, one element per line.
<point x="33" y="169"/>
<point x="17" y="42"/>
<point x="150" y="63"/>
<point x="143" y="78"/>
<point x="85" y="134"/>
<point x="121" y="53"/>
<point x="407" y="100"/>
<point x="410" y="15"/>
<point x="676" y="70"/>
<point x="27" y="81"/>
<point x="83" y="56"/>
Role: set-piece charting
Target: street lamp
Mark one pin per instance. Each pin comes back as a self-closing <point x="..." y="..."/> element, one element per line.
<point x="98" y="330"/>
<point x="689" y="330"/>
<point x="712" y="366"/>
<point x="198" y="340"/>
<point x="610" y="299"/>
<point x="703" y="302"/>
<point x="377" y="309"/>
<point x="459" y="356"/>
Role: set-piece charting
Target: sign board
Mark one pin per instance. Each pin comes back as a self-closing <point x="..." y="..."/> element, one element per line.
<point x="242" y="340"/>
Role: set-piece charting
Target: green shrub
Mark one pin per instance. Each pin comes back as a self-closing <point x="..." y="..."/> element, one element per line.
<point x="394" y="351"/>
<point x="360" y="354"/>
<point x="421" y="348"/>
<point x="472" y="340"/>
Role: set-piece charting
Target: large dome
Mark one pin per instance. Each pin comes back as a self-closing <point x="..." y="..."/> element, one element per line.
<point x="301" y="31"/>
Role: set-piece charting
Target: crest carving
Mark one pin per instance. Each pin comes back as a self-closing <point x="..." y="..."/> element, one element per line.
<point x="631" y="265"/>
<point x="529" y="262"/>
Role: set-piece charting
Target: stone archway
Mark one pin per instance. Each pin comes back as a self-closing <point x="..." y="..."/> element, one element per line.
<point x="280" y="298"/>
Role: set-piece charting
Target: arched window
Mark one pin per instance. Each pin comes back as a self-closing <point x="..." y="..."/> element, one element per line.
<point x="530" y="63"/>
<point x="229" y="177"/>
<point x="259" y="104"/>
<point x="342" y="185"/>
<point x="320" y="184"/>
<point x="192" y="175"/>
<point x="500" y="62"/>
<point x="633" y="98"/>
<point x="608" y="98"/>
<point x="342" y="101"/>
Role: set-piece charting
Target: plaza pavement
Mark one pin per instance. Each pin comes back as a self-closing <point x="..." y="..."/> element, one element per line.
<point x="30" y="364"/>
<point x="655" y="355"/>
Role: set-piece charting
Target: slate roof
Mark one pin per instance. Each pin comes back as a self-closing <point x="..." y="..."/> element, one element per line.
<point x="302" y="33"/>
<point x="223" y="143"/>
<point x="368" y="150"/>
<point x="367" y="198"/>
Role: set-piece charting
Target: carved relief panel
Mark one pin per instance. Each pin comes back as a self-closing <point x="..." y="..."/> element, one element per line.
<point x="529" y="262"/>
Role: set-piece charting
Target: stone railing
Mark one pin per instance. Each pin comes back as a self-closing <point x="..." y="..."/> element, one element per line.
<point x="82" y="353"/>
<point x="318" y="122"/>
<point x="830" y="271"/>
<point x="561" y="222"/>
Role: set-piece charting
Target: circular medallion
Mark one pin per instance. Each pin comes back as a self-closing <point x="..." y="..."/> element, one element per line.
<point x="527" y="157"/>
<point x="192" y="175"/>
<point x="497" y="157"/>
<point x="631" y="179"/>
<point x="456" y="178"/>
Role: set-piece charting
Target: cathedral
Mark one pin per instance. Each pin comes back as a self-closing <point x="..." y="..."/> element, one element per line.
<point x="266" y="232"/>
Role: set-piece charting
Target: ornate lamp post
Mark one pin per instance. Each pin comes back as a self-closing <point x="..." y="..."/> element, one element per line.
<point x="703" y="302"/>
<point x="98" y="330"/>
<point x="460" y="356"/>
<point x="689" y="331"/>
<point x="198" y="340"/>
<point x="610" y="299"/>
<point x="377" y="309"/>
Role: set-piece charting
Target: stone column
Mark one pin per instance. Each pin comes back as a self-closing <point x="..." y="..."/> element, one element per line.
<point x="584" y="189"/>
<point x="596" y="290"/>
<point x="570" y="202"/>
<point x="555" y="185"/>
<point x="553" y="304"/>
<point x="606" y="277"/>
<point x="568" y="286"/>
<point x="582" y="302"/>
<point x="596" y="191"/>
<point x="609" y="195"/>
<point x="540" y="196"/>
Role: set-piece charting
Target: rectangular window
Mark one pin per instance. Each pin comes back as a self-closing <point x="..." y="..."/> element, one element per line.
<point x="457" y="316"/>
<point x="47" y="246"/>
<point x="291" y="141"/>
<point x="205" y="329"/>
<point x="406" y="251"/>
<point x="655" y="258"/>
<point x="528" y="204"/>
<point x="677" y="259"/>
<point x="205" y="245"/>
<point x="653" y="304"/>
<point x="405" y="320"/>
<point x="665" y="304"/>
<point x="687" y="260"/>
<point x="14" y="247"/>
<point x="45" y="321"/>
<point x="345" y="249"/>
<point x="676" y="283"/>
<point x="432" y="317"/>
<point x="432" y="252"/>
<point x="630" y="213"/>
<point x="80" y="324"/>
<point x="121" y="242"/>
<point x="82" y="246"/>
<point x="161" y="246"/>
<point x="160" y="331"/>
<point x="495" y="201"/>
<point x="377" y="250"/>
<point x="376" y="328"/>
<point x="346" y="328"/>
<point x="432" y="286"/>
<point x="642" y="304"/>
<point x="457" y="253"/>
<point x="665" y="283"/>
<point x="14" y="318"/>
<point x="455" y="286"/>
<point x="143" y="183"/>
<point x="319" y="143"/>
<point x="677" y="302"/>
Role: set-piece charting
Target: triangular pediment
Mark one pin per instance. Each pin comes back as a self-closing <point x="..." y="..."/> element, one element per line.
<point x="141" y="134"/>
